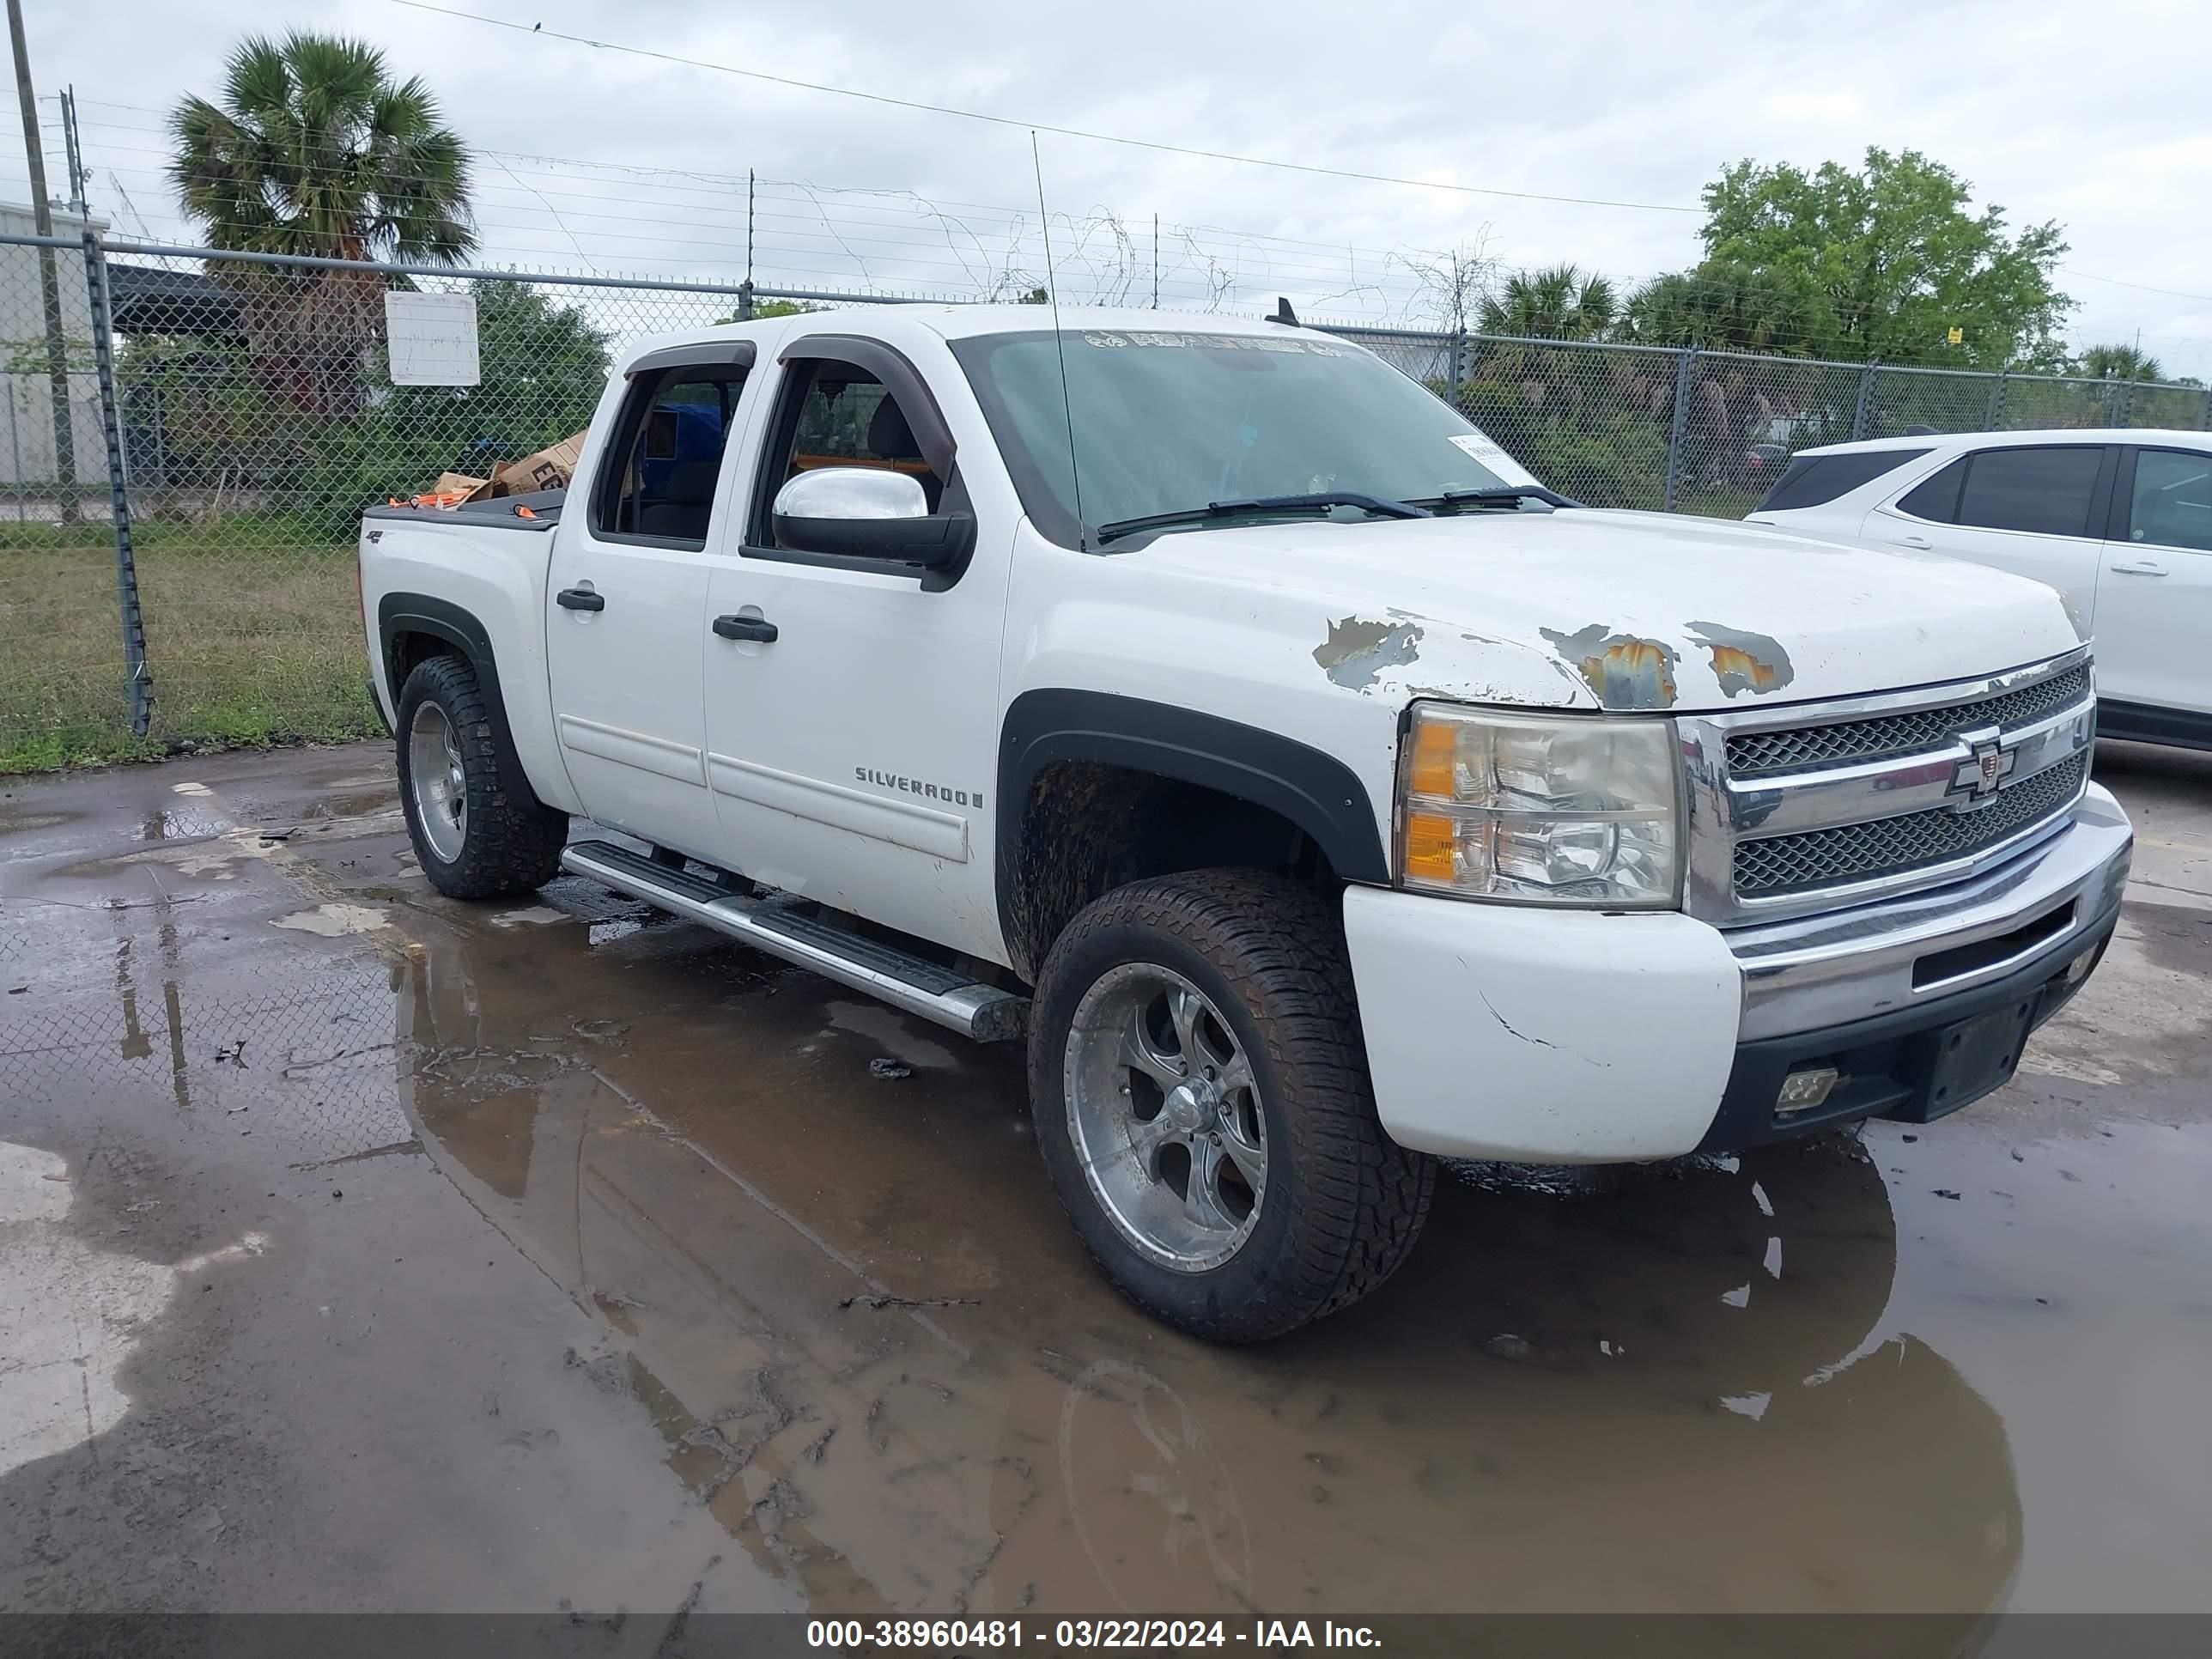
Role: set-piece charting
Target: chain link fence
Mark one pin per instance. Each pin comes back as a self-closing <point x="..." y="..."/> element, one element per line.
<point x="60" y="660"/>
<point x="190" y="437"/>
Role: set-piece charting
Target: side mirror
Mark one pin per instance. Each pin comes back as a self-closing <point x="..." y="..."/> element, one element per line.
<point x="868" y="513"/>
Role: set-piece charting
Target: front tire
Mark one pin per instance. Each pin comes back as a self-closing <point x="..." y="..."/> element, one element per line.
<point x="1201" y="1098"/>
<point x="478" y="831"/>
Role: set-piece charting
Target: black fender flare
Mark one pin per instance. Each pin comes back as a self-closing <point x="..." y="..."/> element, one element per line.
<point x="1312" y="789"/>
<point x="423" y="613"/>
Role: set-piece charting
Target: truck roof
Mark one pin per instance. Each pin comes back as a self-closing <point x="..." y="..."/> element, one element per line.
<point x="958" y="322"/>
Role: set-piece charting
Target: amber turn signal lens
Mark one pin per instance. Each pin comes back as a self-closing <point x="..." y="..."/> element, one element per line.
<point x="1436" y="754"/>
<point x="1429" y="845"/>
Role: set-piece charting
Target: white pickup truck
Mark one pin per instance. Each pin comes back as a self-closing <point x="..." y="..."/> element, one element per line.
<point x="1210" y="706"/>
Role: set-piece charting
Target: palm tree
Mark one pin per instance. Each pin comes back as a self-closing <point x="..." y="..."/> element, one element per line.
<point x="2116" y="363"/>
<point x="315" y="150"/>
<point x="1722" y="306"/>
<point x="1560" y="303"/>
<point x="1545" y="401"/>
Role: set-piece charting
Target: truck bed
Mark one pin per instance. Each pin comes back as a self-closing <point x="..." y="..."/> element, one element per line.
<point x="545" y="512"/>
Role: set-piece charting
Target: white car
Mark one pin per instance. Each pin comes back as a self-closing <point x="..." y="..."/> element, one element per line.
<point x="2119" y="521"/>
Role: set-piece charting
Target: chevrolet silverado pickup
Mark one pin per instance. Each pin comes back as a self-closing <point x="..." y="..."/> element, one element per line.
<point x="1210" y="707"/>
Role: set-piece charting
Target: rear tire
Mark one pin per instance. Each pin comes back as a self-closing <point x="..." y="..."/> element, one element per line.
<point x="1199" y="1087"/>
<point x="478" y="830"/>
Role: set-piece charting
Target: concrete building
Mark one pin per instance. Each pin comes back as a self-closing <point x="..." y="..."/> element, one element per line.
<point x="26" y="409"/>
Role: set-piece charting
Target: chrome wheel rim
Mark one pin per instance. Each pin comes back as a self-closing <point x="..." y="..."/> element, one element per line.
<point x="441" y="782"/>
<point x="1165" y="1115"/>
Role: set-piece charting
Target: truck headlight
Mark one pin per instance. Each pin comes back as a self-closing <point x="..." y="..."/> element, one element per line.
<point x="1540" y="808"/>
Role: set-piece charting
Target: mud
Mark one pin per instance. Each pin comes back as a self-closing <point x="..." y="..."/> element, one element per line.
<point x="365" y="1250"/>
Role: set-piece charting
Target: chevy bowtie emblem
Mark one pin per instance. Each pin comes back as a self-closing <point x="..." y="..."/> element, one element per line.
<point x="1978" y="777"/>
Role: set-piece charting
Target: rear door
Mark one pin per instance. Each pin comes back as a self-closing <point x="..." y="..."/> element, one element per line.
<point x="2154" y="591"/>
<point x="625" y="637"/>
<point x="2034" y="509"/>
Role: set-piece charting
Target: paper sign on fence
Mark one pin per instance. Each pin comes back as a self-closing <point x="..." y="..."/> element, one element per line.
<point x="433" y="339"/>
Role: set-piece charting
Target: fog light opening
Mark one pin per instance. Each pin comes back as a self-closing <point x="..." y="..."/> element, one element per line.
<point x="1803" y="1090"/>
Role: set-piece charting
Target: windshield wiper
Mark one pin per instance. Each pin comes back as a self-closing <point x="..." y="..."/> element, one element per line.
<point x="1507" y="495"/>
<point x="1317" y="503"/>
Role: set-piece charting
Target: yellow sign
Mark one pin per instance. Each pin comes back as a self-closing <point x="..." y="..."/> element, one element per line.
<point x="1958" y="336"/>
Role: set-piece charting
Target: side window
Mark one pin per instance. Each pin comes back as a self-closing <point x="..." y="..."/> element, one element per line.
<point x="2172" y="501"/>
<point x="2045" y="491"/>
<point x="1936" y="499"/>
<point x="670" y="441"/>
<point x="837" y="414"/>
<point x="1816" y="480"/>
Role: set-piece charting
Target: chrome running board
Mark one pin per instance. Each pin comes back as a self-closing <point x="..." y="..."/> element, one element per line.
<point x="778" y="926"/>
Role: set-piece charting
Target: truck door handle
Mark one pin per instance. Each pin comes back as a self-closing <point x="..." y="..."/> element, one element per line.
<point x="2139" y="567"/>
<point x="1920" y="542"/>
<point x="579" y="598"/>
<point x="746" y="628"/>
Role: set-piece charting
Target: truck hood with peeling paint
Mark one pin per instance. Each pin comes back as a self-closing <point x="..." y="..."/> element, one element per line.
<point x="1638" y="610"/>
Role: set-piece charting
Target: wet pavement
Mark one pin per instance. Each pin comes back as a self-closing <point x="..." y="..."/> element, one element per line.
<point x="360" y="1249"/>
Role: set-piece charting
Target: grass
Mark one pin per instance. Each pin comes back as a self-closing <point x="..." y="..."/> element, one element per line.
<point x="254" y="635"/>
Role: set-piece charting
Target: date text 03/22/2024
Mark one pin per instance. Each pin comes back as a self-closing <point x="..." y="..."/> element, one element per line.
<point x="925" y="1634"/>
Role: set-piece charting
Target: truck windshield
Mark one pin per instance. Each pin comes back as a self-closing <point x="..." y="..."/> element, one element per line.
<point x="1168" y="422"/>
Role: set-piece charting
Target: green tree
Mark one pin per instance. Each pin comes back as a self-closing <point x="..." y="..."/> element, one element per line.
<point x="1886" y="259"/>
<point x="2115" y="362"/>
<point x="765" y="309"/>
<point x="1561" y="303"/>
<point x="1571" y="416"/>
<point x="1722" y="306"/>
<point x="541" y="368"/>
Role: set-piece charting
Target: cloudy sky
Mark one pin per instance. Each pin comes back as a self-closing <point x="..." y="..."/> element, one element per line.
<point x="2094" y="114"/>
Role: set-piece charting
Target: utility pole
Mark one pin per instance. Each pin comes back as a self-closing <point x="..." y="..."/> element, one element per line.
<point x="50" y="292"/>
<point x="74" y="153"/>
<point x="745" y="287"/>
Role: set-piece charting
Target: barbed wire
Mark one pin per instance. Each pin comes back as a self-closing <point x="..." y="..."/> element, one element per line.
<point x="531" y="209"/>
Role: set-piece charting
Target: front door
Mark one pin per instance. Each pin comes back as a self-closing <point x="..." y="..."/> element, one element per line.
<point x="851" y="756"/>
<point x="2154" y="593"/>
<point x="626" y="599"/>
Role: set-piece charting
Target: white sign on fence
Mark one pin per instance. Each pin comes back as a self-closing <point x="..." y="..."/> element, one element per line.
<point x="433" y="339"/>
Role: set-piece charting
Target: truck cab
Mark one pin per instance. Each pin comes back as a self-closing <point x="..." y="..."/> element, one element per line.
<point x="1317" y="795"/>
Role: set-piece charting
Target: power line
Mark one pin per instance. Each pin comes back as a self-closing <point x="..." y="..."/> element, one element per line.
<point x="863" y="223"/>
<point x="921" y="206"/>
<point x="542" y="33"/>
<point x="2140" y="288"/>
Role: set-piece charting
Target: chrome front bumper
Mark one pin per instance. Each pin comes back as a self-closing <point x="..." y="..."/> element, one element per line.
<point x="1813" y="972"/>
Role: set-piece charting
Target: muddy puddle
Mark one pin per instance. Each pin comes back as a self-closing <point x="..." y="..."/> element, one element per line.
<point x="878" y="1355"/>
<point x="1945" y="1369"/>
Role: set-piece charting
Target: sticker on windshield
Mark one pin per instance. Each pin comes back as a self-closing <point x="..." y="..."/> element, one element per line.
<point x="1292" y="343"/>
<point x="1485" y="450"/>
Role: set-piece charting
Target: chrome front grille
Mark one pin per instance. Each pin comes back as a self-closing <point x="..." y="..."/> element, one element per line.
<point x="1857" y="852"/>
<point x="1800" y="810"/>
<point x="1796" y="749"/>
